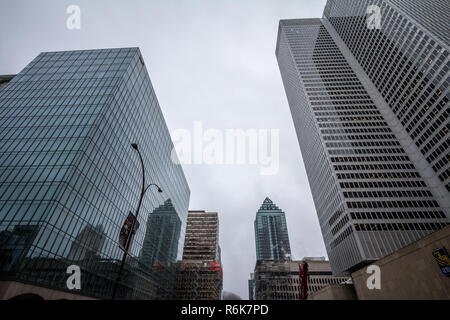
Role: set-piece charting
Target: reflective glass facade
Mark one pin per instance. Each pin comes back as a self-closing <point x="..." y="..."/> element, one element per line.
<point x="371" y="191"/>
<point x="271" y="233"/>
<point x="69" y="176"/>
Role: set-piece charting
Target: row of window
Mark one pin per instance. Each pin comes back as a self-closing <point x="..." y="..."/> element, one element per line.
<point x="399" y="226"/>
<point x="383" y="184"/>
<point x="388" y="194"/>
<point x="398" y="215"/>
<point x="365" y="151"/>
<point x="392" y="204"/>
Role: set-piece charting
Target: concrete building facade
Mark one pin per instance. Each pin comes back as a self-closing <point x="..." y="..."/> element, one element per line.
<point x="373" y="190"/>
<point x="320" y="275"/>
<point x="415" y="272"/>
<point x="202" y="237"/>
<point x="280" y="280"/>
<point x="407" y="61"/>
<point x="199" y="280"/>
<point x="200" y="274"/>
<point x="335" y="292"/>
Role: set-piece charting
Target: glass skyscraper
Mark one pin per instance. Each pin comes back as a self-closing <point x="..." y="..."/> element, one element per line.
<point x="371" y="114"/>
<point x="69" y="176"/>
<point x="271" y="233"/>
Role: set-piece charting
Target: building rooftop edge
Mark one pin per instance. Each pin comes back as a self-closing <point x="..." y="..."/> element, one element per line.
<point x="303" y="22"/>
<point x="89" y="49"/>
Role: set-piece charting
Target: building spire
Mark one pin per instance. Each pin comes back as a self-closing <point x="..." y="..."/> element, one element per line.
<point x="268" y="205"/>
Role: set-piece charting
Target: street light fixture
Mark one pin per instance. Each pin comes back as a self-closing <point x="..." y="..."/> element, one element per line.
<point x="128" y="243"/>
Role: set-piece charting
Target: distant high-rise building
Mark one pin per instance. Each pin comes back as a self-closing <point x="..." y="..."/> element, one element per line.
<point x="370" y="107"/>
<point x="67" y="121"/>
<point x="202" y="237"/>
<point x="200" y="272"/>
<point x="271" y="233"/>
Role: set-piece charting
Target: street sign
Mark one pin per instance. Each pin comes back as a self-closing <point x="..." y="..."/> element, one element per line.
<point x="443" y="259"/>
<point x="126" y="233"/>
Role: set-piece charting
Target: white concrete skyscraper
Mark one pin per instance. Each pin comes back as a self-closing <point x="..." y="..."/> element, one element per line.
<point x="370" y="110"/>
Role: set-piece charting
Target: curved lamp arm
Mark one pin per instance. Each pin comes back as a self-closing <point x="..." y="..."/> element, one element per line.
<point x="154" y="185"/>
<point x="144" y="188"/>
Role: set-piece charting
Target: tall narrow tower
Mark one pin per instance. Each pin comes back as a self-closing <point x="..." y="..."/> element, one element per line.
<point x="200" y="272"/>
<point x="271" y="233"/>
<point x="361" y="115"/>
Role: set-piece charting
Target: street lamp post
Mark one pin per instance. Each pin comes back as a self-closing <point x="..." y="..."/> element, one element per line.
<point x="129" y="240"/>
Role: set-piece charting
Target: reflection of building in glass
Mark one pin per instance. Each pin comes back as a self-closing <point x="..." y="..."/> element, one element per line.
<point x="161" y="237"/>
<point x="13" y="245"/>
<point x="88" y="243"/>
<point x="271" y="233"/>
<point x="66" y="124"/>
<point x="160" y="249"/>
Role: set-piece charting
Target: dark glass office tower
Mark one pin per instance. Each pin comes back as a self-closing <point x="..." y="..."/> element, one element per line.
<point x="69" y="176"/>
<point x="271" y="233"/>
<point x="374" y="190"/>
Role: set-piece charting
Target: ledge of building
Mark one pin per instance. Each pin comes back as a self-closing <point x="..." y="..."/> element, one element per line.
<point x="411" y="273"/>
<point x="335" y="292"/>
<point x="22" y="291"/>
<point x="428" y="241"/>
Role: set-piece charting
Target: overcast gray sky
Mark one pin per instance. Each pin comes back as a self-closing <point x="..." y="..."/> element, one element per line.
<point x="211" y="61"/>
